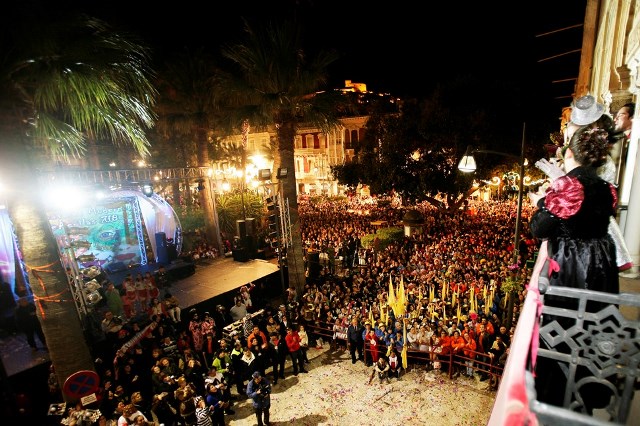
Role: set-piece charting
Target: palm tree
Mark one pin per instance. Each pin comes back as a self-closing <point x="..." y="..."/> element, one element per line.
<point x="274" y="84"/>
<point x="63" y="83"/>
<point x="188" y="113"/>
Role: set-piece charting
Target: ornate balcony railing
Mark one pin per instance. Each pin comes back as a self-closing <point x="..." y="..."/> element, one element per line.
<point x="596" y="348"/>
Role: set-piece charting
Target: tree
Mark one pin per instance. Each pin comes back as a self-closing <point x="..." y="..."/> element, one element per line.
<point x="187" y="115"/>
<point x="276" y="85"/>
<point x="420" y="147"/>
<point x="63" y="82"/>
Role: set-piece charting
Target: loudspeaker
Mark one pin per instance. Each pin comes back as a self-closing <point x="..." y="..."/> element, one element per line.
<point x="313" y="259"/>
<point x="172" y="253"/>
<point x="162" y="254"/>
<point x="241" y="228"/>
<point x="240" y="255"/>
<point x="250" y="223"/>
<point x="249" y="244"/>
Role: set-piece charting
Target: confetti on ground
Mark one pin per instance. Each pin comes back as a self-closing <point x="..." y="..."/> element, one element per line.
<point x="335" y="392"/>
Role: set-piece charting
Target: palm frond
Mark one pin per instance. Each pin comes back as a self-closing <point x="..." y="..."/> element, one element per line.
<point x="79" y="78"/>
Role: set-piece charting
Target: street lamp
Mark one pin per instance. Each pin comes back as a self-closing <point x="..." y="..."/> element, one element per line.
<point x="468" y="164"/>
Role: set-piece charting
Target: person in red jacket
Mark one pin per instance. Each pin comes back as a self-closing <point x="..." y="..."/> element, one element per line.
<point x="469" y="352"/>
<point x="442" y="350"/>
<point x="457" y="346"/>
<point x="293" y="344"/>
<point x="372" y="341"/>
<point x="259" y="334"/>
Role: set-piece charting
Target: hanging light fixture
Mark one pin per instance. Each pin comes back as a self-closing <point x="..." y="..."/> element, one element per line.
<point x="468" y="163"/>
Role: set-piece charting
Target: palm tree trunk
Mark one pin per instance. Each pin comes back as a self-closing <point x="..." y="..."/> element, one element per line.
<point x="68" y="348"/>
<point x="205" y="195"/>
<point x="93" y="155"/>
<point x="285" y="158"/>
<point x="175" y="192"/>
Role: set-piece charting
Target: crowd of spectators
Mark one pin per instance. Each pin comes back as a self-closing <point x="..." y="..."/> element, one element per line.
<point x="452" y="270"/>
<point x="172" y="368"/>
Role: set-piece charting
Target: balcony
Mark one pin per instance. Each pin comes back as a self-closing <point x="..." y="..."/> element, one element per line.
<point x="597" y="348"/>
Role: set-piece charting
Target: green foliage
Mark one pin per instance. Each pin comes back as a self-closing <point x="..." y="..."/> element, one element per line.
<point x="348" y="174"/>
<point x="230" y="210"/>
<point x="191" y="218"/>
<point x="385" y="237"/>
<point x="512" y="285"/>
<point x="72" y="78"/>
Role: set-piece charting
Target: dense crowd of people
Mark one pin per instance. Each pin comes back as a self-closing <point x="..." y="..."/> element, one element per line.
<point x="439" y="293"/>
<point x="158" y="364"/>
<point x="453" y="271"/>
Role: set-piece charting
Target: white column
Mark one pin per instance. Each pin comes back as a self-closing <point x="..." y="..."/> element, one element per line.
<point x="630" y="221"/>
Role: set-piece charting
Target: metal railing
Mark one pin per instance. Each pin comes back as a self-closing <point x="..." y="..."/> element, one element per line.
<point x="142" y="175"/>
<point x="450" y="362"/>
<point x="588" y="340"/>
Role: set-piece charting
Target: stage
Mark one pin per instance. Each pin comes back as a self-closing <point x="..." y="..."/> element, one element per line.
<point x="217" y="277"/>
<point x="177" y="270"/>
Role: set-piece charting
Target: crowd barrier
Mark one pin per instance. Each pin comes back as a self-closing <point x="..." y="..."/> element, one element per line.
<point x="482" y="364"/>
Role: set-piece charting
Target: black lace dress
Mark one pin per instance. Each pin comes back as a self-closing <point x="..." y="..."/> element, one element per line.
<point x="574" y="218"/>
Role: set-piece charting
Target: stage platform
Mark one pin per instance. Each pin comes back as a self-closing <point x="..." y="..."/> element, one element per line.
<point x="218" y="277"/>
<point x="177" y="269"/>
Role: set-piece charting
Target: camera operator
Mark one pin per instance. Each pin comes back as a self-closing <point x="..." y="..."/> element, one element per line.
<point x="259" y="390"/>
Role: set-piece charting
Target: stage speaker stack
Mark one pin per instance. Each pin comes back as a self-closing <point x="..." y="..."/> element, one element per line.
<point x="162" y="253"/>
<point x="250" y="246"/>
<point x="241" y="228"/>
<point x="246" y="233"/>
<point x="240" y="254"/>
<point x="250" y="225"/>
<point x="172" y="253"/>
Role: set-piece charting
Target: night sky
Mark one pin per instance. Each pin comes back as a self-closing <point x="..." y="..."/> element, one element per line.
<point x="401" y="47"/>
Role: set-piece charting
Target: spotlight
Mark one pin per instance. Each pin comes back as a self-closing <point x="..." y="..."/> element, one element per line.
<point x="282" y="172"/>
<point x="264" y="174"/>
<point x="93" y="297"/>
<point x="147" y="189"/>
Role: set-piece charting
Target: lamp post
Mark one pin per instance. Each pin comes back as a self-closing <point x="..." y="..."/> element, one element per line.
<point x="468" y="164"/>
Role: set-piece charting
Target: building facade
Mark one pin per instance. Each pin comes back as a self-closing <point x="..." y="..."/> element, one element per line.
<point x="610" y="71"/>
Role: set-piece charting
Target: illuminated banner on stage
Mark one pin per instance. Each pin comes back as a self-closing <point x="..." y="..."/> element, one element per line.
<point x="104" y="234"/>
